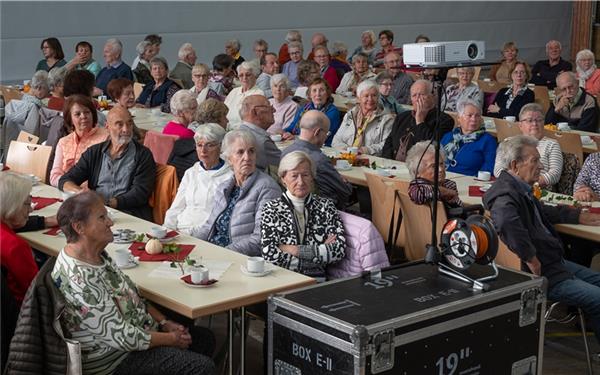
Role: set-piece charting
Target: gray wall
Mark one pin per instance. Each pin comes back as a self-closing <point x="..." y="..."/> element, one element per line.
<point x="207" y="25"/>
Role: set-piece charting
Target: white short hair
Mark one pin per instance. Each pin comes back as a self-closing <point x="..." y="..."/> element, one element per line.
<point x="417" y="152"/>
<point x="183" y="101"/>
<point x="293" y="160"/>
<point x="293" y="36"/>
<point x="338" y="48"/>
<point x="141" y="47"/>
<point x="428" y="84"/>
<point x="249" y="66"/>
<point x="367" y="85"/>
<point x="371" y="34"/>
<point x="14" y="190"/>
<point x="571" y="76"/>
<point x="40" y="80"/>
<point x="210" y="132"/>
<point x="235" y="43"/>
<point x="296" y="45"/>
<point x="244" y="135"/>
<point x="584" y="54"/>
<point x="463" y="104"/>
<point x="550" y="42"/>
<point x="511" y="149"/>
<point x="56" y="77"/>
<point x="280" y="78"/>
<point x="185" y="50"/>
<point x="116" y="44"/>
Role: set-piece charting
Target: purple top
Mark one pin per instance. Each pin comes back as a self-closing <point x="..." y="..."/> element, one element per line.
<point x="284" y="114"/>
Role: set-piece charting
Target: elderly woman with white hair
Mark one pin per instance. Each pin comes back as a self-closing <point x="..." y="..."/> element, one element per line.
<point x="56" y="81"/>
<point x="469" y="148"/>
<point x="367" y="125"/>
<point x="161" y="90"/>
<point x="183" y="107"/>
<point x="290" y="68"/>
<point x="40" y="86"/>
<point x="464" y="89"/>
<point x="232" y="48"/>
<point x="339" y="58"/>
<point x="292" y="36"/>
<point x="420" y="161"/>
<point x="234" y="221"/>
<point x="285" y="107"/>
<point x="300" y="230"/>
<point x="368" y="41"/>
<point x="144" y="50"/>
<point x="201" y="89"/>
<point x="195" y="196"/>
<point x="247" y="73"/>
<point x="17" y="256"/>
<point x="360" y="72"/>
<point x="587" y="72"/>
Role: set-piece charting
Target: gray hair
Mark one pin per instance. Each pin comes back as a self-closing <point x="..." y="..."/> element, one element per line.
<point x="56" y="77"/>
<point x="293" y="160"/>
<point x="531" y="107"/>
<point x="360" y="55"/>
<point x="235" y="43"/>
<point x="511" y="149"/>
<point x="40" y="80"/>
<point x="280" y="78"/>
<point x="211" y="132"/>
<point x="249" y="66"/>
<point x="463" y="104"/>
<point x="14" y="190"/>
<point x="231" y="137"/>
<point x="469" y="69"/>
<point x="185" y="50"/>
<point x="571" y="76"/>
<point x="293" y="36"/>
<point x="159" y="60"/>
<point x="296" y="45"/>
<point x="584" y="54"/>
<point x="260" y="42"/>
<point x="338" y="48"/>
<point x="367" y="85"/>
<point x="76" y="209"/>
<point x="141" y="47"/>
<point x="428" y="84"/>
<point x="550" y="42"/>
<point x="417" y="152"/>
<point x="200" y="67"/>
<point x="371" y="34"/>
<point x="383" y="76"/>
<point x="183" y="101"/>
<point x="116" y="45"/>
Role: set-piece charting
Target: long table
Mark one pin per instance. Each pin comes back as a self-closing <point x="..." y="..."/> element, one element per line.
<point x="146" y="119"/>
<point x="233" y="291"/>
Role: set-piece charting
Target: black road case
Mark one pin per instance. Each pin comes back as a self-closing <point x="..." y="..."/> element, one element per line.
<point x="409" y="320"/>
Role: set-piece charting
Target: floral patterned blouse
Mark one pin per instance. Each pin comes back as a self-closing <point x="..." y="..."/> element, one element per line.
<point x="590" y="174"/>
<point x="221" y="235"/>
<point x="455" y="94"/>
<point x="104" y="312"/>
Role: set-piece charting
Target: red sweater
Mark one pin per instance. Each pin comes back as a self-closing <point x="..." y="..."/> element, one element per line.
<point x="16" y="257"/>
<point x="331" y="77"/>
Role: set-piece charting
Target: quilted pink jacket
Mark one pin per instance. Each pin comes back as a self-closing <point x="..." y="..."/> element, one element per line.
<point x="365" y="249"/>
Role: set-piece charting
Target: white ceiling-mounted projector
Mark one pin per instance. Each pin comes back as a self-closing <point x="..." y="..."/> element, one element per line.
<point x="440" y="54"/>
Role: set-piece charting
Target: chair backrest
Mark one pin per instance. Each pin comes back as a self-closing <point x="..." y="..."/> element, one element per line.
<point x="542" y="97"/>
<point x="570" y="143"/>
<point x="29" y="159"/>
<point x="570" y="171"/>
<point x="505" y="129"/>
<point x="417" y="222"/>
<point x="164" y="193"/>
<point x="489" y="86"/>
<point x="177" y="81"/>
<point x="160" y="144"/>
<point x="507" y="258"/>
<point x="27" y="137"/>
<point x="137" y="89"/>
<point x="454" y="116"/>
<point x="476" y="73"/>
<point x="10" y="93"/>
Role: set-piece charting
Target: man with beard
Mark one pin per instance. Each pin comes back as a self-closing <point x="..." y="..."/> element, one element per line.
<point x="120" y="169"/>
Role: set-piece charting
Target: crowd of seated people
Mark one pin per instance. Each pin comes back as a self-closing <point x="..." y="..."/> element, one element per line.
<point x="237" y="188"/>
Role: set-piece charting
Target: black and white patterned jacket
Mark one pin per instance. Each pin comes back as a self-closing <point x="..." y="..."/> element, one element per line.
<point x="280" y="226"/>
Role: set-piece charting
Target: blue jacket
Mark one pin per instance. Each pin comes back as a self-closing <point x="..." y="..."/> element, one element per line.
<point x="108" y="73"/>
<point x="473" y="157"/>
<point x="330" y="111"/>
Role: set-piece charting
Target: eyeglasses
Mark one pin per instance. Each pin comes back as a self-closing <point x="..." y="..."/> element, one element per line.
<point x="295" y="53"/>
<point x="200" y="75"/>
<point x="208" y="146"/>
<point x="533" y="120"/>
<point x="245" y="75"/>
<point x="519" y="72"/>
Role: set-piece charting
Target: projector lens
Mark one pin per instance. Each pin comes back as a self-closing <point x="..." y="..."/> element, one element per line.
<point x="472" y="51"/>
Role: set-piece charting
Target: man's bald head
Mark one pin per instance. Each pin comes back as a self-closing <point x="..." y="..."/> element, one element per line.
<point x="257" y="110"/>
<point x="120" y="125"/>
<point x="314" y="126"/>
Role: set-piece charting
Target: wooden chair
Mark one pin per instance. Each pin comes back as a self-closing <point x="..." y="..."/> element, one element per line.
<point x="476" y="74"/>
<point x="507" y="258"/>
<point x="164" y="192"/>
<point x="27" y="158"/>
<point x="137" y="89"/>
<point x="417" y="224"/>
<point x="489" y="86"/>
<point x="160" y="144"/>
<point x="542" y="97"/>
<point x="570" y="143"/>
<point x="505" y="129"/>
<point x="454" y="116"/>
<point x="27" y="138"/>
<point x="10" y="93"/>
<point x="177" y="81"/>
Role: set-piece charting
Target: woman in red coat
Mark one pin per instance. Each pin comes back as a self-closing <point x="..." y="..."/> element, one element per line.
<point x="15" y="254"/>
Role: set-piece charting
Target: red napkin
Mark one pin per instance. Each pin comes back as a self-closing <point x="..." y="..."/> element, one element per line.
<point x="170" y="234"/>
<point x="137" y="249"/>
<point x="594" y="210"/>
<point x="188" y="280"/>
<point x="5" y="168"/>
<point x="43" y="202"/>
<point x="53" y="231"/>
<point x="475" y="191"/>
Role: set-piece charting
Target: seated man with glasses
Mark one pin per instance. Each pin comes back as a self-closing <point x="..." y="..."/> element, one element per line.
<point x="257" y="117"/>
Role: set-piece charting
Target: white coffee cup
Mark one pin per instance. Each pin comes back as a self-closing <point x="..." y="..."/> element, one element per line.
<point x="122" y="257"/>
<point x="342" y="164"/>
<point x="352" y="150"/>
<point x="158" y="232"/>
<point x="487" y="80"/>
<point x="276" y="137"/>
<point x="255" y="264"/>
<point x="564" y="126"/>
<point x="484" y="175"/>
<point x="199" y="275"/>
<point x="586" y="139"/>
<point x="510" y="118"/>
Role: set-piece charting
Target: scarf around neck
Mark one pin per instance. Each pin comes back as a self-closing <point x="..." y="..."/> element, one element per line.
<point x="458" y="140"/>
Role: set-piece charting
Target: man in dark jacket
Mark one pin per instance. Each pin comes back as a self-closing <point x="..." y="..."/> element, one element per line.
<point x="573" y="105"/>
<point x="526" y="226"/>
<point x="120" y="169"/>
<point x="417" y="125"/>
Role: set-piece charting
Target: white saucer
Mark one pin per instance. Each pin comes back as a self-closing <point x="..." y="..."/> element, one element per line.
<point x="485" y="187"/>
<point x="268" y="270"/>
<point x="349" y="168"/>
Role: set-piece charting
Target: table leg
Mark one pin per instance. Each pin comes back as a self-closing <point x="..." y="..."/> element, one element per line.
<point x="230" y="334"/>
<point x="243" y="343"/>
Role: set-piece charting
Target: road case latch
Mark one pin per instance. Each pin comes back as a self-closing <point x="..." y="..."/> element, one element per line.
<point x="382" y="358"/>
<point x="529" y="303"/>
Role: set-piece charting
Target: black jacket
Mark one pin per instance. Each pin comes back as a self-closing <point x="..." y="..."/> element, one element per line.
<point x="141" y="181"/>
<point x="405" y="123"/>
<point x="516" y="105"/>
<point x="514" y="218"/>
<point x="183" y="156"/>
